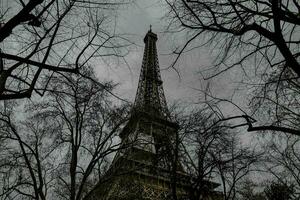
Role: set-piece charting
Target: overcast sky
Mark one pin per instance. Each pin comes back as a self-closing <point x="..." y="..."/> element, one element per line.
<point x="136" y="20"/>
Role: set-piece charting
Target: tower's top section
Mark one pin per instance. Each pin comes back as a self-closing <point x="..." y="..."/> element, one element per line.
<point x="151" y="35"/>
<point x="150" y="96"/>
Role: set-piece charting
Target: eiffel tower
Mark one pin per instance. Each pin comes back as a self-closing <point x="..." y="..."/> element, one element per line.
<point x="144" y="168"/>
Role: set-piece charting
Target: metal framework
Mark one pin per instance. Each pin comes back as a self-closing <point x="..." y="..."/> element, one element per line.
<point x="150" y="96"/>
<point x="142" y="169"/>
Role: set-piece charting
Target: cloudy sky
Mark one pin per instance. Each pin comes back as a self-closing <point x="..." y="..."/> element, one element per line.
<point x="135" y="21"/>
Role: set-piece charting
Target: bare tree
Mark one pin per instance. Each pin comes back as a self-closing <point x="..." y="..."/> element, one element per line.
<point x="261" y="26"/>
<point x="233" y="166"/>
<point x="258" y="37"/>
<point x="269" y="190"/>
<point x="42" y="37"/>
<point x="200" y="140"/>
<point x="212" y="152"/>
<point x="63" y="148"/>
<point x="282" y="163"/>
<point x="248" y="191"/>
<point x="278" y="191"/>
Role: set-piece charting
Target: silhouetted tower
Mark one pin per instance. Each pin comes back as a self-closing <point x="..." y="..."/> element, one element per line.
<point x="150" y="96"/>
<point x="144" y="168"/>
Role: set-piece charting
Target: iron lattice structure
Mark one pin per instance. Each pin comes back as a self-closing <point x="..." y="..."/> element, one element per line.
<point x="142" y="169"/>
<point x="150" y="96"/>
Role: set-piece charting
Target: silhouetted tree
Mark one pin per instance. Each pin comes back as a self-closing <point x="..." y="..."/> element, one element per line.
<point x="260" y="37"/>
<point x="258" y="26"/>
<point x="282" y="161"/>
<point x="42" y="37"/>
<point x="62" y="149"/>
<point x="211" y="152"/>
<point x="247" y="191"/>
<point x="278" y="191"/>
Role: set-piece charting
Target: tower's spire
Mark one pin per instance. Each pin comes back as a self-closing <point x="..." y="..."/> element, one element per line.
<point x="150" y="96"/>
